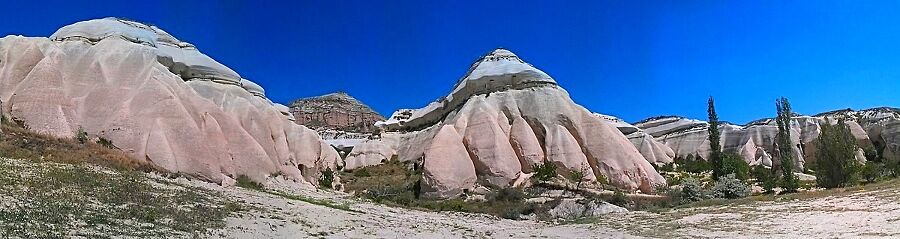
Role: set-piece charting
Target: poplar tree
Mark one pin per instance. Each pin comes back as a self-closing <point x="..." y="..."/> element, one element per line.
<point x="785" y="146"/>
<point x="715" y="154"/>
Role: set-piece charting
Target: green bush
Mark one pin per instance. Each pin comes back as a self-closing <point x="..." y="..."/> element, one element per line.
<point x="81" y="135"/>
<point x="692" y="190"/>
<point x="668" y="167"/>
<point x="692" y="164"/>
<point x="619" y="199"/>
<point x="106" y="143"/>
<point x="729" y="187"/>
<point x="544" y="172"/>
<point x="245" y="182"/>
<point x="326" y="179"/>
<point x="764" y="177"/>
<point x="508" y="195"/>
<point x="735" y="164"/>
<point x="892" y="167"/>
<point x="872" y="171"/>
<point x="836" y="156"/>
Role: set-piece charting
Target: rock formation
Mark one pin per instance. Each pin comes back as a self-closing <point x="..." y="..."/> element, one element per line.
<point x="336" y="111"/>
<point x="157" y="98"/>
<point x="502" y="117"/>
<point x="873" y="128"/>
<point x="652" y="150"/>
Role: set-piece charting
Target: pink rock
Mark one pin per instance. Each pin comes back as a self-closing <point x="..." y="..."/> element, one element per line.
<point x="448" y="169"/>
<point x="525" y="144"/>
<point x="487" y="143"/>
<point x="209" y="127"/>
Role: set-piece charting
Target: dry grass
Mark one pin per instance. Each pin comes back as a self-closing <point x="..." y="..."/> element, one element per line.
<point x="56" y="188"/>
<point x="18" y="142"/>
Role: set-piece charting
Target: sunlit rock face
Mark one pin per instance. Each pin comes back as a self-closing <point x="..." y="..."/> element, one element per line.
<point x="756" y="140"/>
<point x="881" y="125"/>
<point x="336" y="111"/>
<point x="506" y="116"/>
<point x="158" y="99"/>
<point x="652" y="150"/>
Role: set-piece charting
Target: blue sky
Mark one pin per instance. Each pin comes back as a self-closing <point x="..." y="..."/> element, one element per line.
<point x="632" y="59"/>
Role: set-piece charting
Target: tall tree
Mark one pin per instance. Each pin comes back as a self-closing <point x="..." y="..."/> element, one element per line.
<point x="785" y="146"/>
<point x="835" y="154"/>
<point x="715" y="153"/>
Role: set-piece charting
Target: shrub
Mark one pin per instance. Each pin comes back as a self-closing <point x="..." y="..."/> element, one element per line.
<point x="764" y="177"/>
<point x="730" y="187"/>
<point x="577" y="176"/>
<point x="669" y="167"/>
<point x="106" y="143"/>
<point x="674" y="195"/>
<point x="735" y="164"/>
<point x="692" y="164"/>
<point x="894" y="167"/>
<point x="544" y="172"/>
<point x="245" y="182"/>
<point x="81" y="135"/>
<point x="836" y="150"/>
<point x="619" y="199"/>
<point x="692" y="190"/>
<point x="872" y="171"/>
<point x="509" y="195"/>
<point x="326" y="179"/>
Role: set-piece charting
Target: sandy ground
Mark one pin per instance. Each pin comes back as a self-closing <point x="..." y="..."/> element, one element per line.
<point x="865" y="214"/>
<point x="279" y="217"/>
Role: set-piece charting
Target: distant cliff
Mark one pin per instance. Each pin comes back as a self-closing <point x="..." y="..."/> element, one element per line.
<point x="335" y="111"/>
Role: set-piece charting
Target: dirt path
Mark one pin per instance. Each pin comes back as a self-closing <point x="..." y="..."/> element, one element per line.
<point x="860" y="214"/>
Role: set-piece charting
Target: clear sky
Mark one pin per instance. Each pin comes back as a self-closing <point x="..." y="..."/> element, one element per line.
<point x="632" y="59"/>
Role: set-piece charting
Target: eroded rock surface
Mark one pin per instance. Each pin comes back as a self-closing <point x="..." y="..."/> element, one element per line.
<point x="158" y="99"/>
<point x="873" y="128"/>
<point x="335" y="111"/>
<point x="511" y="116"/>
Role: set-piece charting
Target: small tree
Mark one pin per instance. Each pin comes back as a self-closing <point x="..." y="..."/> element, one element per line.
<point x="715" y="154"/>
<point x="789" y="182"/>
<point x="544" y="172"/>
<point x="735" y="165"/>
<point x="764" y="177"/>
<point x="835" y="153"/>
<point x="577" y="176"/>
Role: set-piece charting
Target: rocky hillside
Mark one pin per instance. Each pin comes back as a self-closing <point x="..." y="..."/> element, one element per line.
<point x="501" y="118"/>
<point x="336" y="111"/>
<point x="157" y="98"/>
<point x="877" y="129"/>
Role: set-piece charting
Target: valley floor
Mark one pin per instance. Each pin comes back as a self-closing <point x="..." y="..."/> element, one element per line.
<point x="44" y="199"/>
<point x="870" y="211"/>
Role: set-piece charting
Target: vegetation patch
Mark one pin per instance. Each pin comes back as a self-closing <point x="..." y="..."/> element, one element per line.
<point x="61" y="200"/>
<point x="53" y="188"/>
<point x="245" y="182"/>
<point x="395" y="184"/>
